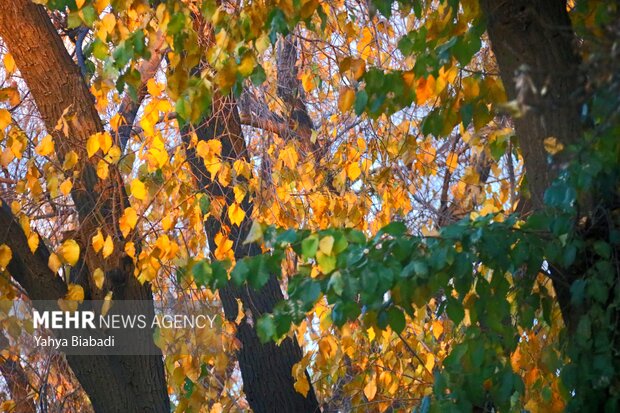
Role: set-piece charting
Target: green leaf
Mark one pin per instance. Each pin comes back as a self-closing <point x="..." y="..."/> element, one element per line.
<point x="240" y="273"/>
<point x="361" y="100"/>
<point x="202" y="272"/>
<point x="266" y="328"/>
<point x="309" y="246"/>
<point x="396" y="319"/>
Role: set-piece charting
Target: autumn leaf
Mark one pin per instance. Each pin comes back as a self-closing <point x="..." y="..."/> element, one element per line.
<point x="108" y="247"/>
<point x="92" y="145"/>
<point x="138" y="190"/>
<point x="66" y="186"/>
<point x="103" y="169"/>
<point x="69" y="252"/>
<point x="128" y="220"/>
<point x="552" y="145"/>
<point x="307" y="81"/>
<point x="97" y="241"/>
<point x="54" y="263"/>
<point x="452" y="161"/>
<point x="71" y="159"/>
<point x="46" y="146"/>
<point x="9" y="63"/>
<point x="224" y="247"/>
<point x="98" y="277"/>
<point x="301" y="381"/>
<point x="437" y="329"/>
<point x="33" y="241"/>
<point x="5" y="118"/>
<point x="5" y="256"/>
<point x="75" y="292"/>
<point x="346" y="99"/>
<point x="370" y="389"/>
<point x="235" y="214"/>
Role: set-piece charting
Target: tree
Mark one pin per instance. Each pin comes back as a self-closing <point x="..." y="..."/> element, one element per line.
<point x="432" y="182"/>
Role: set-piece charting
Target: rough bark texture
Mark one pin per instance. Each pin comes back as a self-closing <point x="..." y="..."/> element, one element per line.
<point x="266" y="368"/>
<point x="533" y="42"/>
<point x="114" y="384"/>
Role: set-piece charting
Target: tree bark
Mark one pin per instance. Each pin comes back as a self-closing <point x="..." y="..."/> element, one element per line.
<point x="113" y="383"/>
<point x="533" y="42"/>
<point x="266" y="369"/>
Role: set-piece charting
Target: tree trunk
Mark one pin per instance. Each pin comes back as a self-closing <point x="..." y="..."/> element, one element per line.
<point x="266" y="368"/>
<point x="113" y="383"/>
<point x="533" y="42"/>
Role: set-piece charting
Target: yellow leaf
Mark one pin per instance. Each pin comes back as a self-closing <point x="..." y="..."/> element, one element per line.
<point x="138" y="190"/>
<point x="202" y="149"/>
<point x="452" y="161"/>
<point x="236" y="214"/>
<point x="8" y="406"/>
<point x="437" y="329"/>
<point x="328" y="347"/>
<point x="515" y="360"/>
<point x="7" y="157"/>
<point x="5" y="118"/>
<point x="105" y="141"/>
<point x="114" y="154"/>
<point x="240" y="312"/>
<point x="108" y="22"/>
<point x="46" y="146"/>
<point x="99" y="278"/>
<point x="364" y="46"/>
<point x="108" y="247"/>
<point x="130" y="249"/>
<point x="353" y="170"/>
<point x="289" y="156"/>
<point x="71" y="160"/>
<point x="301" y="381"/>
<point x="107" y="303"/>
<point x="33" y="241"/>
<point x="370" y="390"/>
<point x="224" y="247"/>
<point x="346" y="99"/>
<point x="69" y="252"/>
<point x="9" y="63"/>
<point x="128" y="221"/>
<point x="239" y="193"/>
<point x="326" y="244"/>
<point x="425" y="88"/>
<point x="103" y="169"/>
<point x="154" y="88"/>
<point x="5" y="255"/>
<point x="92" y="145"/>
<point x="371" y="333"/>
<point x="66" y="187"/>
<point x="217" y="408"/>
<point x="166" y="222"/>
<point x="247" y="65"/>
<point x="307" y="81"/>
<point x="54" y="263"/>
<point x="242" y="168"/>
<point x="552" y="145"/>
<point x="79" y="3"/>
<point x="97" y="241"/>
<point x="430" y="361"/>
<point x="75" y="292"/>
